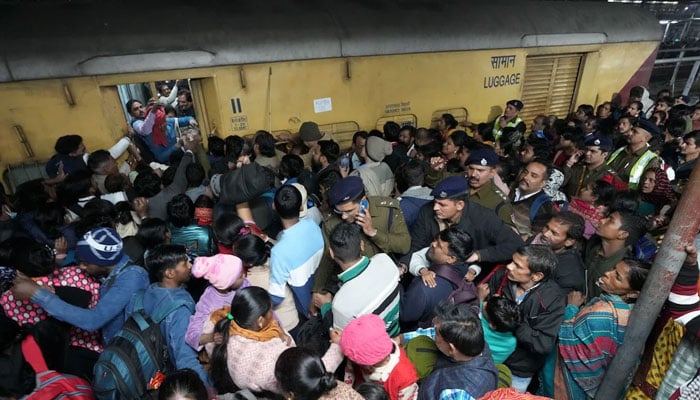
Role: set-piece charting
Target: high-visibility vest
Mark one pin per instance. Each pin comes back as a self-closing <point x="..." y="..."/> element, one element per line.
<point x="497" y="128"/>
<point x="638" y="168"/>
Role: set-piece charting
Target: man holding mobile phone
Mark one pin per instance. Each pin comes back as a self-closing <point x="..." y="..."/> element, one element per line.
<point x="379" y="219"/>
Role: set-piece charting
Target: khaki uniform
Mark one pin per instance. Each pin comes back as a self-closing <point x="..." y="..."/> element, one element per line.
<point x="490" y="196"/>
<point x="579" y="176"/>
<point x="387" y="240"/>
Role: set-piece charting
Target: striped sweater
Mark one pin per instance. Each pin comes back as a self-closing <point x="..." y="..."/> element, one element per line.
<point x="683" y="303"/>
<point x="588" y="340"/>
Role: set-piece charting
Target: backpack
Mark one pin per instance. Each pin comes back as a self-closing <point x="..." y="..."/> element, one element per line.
<point x="535" y="207"/>
<point x="51" y="384"/>
<point x="132" y="362"/>
<point x="464" y="291"/>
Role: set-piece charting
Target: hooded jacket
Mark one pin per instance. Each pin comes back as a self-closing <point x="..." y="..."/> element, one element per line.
<point x="476" y="377"/>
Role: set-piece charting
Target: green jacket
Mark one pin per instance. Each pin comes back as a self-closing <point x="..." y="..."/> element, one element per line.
<point x="392" y="236"/>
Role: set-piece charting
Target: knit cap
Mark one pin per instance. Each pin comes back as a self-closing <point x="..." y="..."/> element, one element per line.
<point x="221" y="270"/>
<point x="377" y="148"/>
<point x="308" y="131"/>
<point x="365" y="341"/>
<point x="101" y="246"/>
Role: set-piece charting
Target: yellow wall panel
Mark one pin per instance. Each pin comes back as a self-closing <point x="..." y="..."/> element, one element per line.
<point x="377" y="87"/>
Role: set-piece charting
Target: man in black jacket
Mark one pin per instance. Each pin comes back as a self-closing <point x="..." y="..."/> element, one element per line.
<point x="562" y="233"/>
<point x="527" y="281"/>
<point x="493" y="240"/>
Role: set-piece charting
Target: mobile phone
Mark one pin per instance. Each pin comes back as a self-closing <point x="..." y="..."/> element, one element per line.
<point x="345" y="160"/>
<point x="364" y="205"/>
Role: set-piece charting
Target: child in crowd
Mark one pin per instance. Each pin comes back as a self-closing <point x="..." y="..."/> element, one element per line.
<point x="593" y="203"/>
<point x="226" y="276"/>
<point x="499" y="318"/>
<point x="172" y="267"/>
<point x="376" y="358"/>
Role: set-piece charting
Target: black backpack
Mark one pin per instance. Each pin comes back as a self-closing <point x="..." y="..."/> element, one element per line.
<point x="136" y="354"/>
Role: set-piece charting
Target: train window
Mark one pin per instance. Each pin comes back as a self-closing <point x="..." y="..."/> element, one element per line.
<point x="550" y="85"/>
<point x="402" y="120"/>
<point x="283" y="140"/>
<point x="460" y="114"/>
<point x="341" y="132"/>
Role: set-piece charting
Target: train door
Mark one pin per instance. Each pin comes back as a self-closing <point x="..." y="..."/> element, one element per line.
<point x="205" y="102"/>
<point x="550" y="85"/>
<point x="185" y="96"/>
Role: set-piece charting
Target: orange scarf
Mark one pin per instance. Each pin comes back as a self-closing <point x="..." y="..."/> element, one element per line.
<point x="271" y="331"/>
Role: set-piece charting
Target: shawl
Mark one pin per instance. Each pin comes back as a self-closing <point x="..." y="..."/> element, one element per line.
<point x="158" y="132"/>
<point x="271" y="331"/>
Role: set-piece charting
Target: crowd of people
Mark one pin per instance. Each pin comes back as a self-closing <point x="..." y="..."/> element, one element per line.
<point x="466" y="261"/>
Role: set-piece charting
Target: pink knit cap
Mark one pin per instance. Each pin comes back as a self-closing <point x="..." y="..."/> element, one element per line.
<point x="365" y="341"/>
<point x="221" y="270"/>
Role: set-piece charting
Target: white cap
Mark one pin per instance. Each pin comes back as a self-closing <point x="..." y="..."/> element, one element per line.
<point x="304" y="199"/>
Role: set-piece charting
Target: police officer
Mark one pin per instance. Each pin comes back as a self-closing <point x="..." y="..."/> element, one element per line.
<point x="494" y="241"/>
<point x="632" y="160"/>
<point x="379" y="219"/>
<point x="592" y="167"/>
<point x="481" y="168"/>
<point x="509" y="118"/>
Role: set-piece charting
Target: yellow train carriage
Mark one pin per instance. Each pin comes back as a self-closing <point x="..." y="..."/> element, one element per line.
<point x="272" y="65"/>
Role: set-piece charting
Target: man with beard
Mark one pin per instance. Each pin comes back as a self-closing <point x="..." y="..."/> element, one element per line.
<point x="562" y="233"/>
<point x="324" y="159"/>
<point x="451" y="247"/>
<point x="481" y="168"/>
<point x="531" y="205"/>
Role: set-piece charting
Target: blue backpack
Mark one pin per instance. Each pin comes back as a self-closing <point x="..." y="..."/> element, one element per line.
<point x="135" y="355"/>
